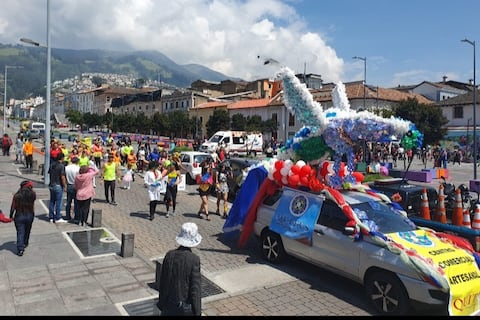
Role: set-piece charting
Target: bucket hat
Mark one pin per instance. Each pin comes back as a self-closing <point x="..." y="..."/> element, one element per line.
<point x="189" y="236"/>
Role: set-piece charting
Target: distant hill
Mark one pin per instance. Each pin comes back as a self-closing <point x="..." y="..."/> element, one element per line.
<point x="67" y="63"/>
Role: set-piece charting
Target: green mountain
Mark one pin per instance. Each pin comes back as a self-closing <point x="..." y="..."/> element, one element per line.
<point x="67" y="63"/>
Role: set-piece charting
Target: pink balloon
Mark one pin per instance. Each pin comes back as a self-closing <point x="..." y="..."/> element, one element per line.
<point x="384" y="171"/>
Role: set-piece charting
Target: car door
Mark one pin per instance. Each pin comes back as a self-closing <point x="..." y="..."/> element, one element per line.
<point x="331" y="247"/>
<point x="186" y="163"/>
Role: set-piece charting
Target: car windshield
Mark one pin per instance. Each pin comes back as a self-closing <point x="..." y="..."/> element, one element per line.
<point x="382" y="217"/>
<point x="216" y="138"/>
<point x="199" y="158"/>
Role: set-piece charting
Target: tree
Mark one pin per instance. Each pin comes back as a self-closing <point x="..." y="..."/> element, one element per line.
<point x="238" y="122"/>
<point x="74" y="117"/>
<point x="428" y="119"/>
<point x="254" y="123"/>
<point x="219" y="120"/>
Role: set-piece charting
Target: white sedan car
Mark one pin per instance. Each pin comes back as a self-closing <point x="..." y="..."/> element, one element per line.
<point x="191" y="162"/>
<point x="400" y="265"/>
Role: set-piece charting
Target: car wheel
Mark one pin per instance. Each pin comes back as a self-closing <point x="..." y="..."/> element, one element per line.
<point x="272" y="247"/>
<point x="387" y="294"/>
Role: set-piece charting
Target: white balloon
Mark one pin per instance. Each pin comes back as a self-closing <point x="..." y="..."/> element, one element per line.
<point x="285" y="180"/>
<point x="288" y="164"/>
<point x="301" y="163"/>
<point x="284" y="171"/>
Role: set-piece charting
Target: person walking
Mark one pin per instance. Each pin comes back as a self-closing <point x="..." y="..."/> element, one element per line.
<point x="19" y="149"/>
<point x="71" y="171"/>
<point x="127" y="177"/>
<point x="28" y="152"/>
<point x="152" y="180"/>
<point x="22" y="211"/>
<point x="6" y="144"/>
<point x="204" y="187"/>
<point x="179" y="290"/>
<point x="110" y="174"/>
<point x="221" y="185"/>
<point x="58" y="185"/>
<point x="173" y="180"/>
<point x="85" y="192"/>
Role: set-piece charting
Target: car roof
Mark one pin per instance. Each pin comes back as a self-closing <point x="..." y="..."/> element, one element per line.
<point x="356" y="197"/>
<point x="196" y="153"/>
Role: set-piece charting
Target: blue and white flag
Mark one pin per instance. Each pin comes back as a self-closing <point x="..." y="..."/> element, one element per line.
<point x="296" y="214"/>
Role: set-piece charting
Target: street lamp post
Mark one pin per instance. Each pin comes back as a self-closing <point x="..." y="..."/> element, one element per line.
<point x="474" y="112"/>
<point x="364" y="59"/>
<point x="468" y="126"/>
<point x="46" y="165"/>
<point x="5" y="96"/>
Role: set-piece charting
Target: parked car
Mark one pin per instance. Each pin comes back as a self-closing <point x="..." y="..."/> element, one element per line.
<point x="411" y="193"/>
<point x="34" y="133"/>
<point x="191" y="162"/>
<point x="238" y="167"/>
<point x="392" y="284"/>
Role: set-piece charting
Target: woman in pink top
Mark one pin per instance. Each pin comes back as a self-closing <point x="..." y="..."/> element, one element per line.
<point x="85" y="191"/>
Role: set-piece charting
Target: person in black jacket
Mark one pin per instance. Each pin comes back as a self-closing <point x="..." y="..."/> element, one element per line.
<point x="22" y="212"/>
<point x="180" y="279"/>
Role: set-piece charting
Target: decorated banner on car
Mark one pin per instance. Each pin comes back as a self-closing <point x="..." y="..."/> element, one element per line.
<point x="296" y="215"/>
<point x="459" y="267"/>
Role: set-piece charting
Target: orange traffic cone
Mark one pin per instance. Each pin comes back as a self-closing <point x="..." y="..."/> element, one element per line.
<point x="425" y="209"/>
<point x="457" y="214"/>
<point x="441" y="213"/>
<point x="466" y="219"/>
<point x="476" y="218"/>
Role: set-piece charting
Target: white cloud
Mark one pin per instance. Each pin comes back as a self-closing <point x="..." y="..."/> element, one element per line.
<point x="225" y="35"/>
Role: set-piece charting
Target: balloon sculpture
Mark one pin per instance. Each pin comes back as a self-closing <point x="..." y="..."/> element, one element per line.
<point x="333" y="132"/>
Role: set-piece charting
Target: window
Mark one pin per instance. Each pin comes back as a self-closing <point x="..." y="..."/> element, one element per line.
<point x="458" y="112"/>
<point x="291" y="119"/>
<point x="332" y="216"/>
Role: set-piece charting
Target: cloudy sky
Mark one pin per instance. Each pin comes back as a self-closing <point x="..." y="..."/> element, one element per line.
<point x="404" y="42"/>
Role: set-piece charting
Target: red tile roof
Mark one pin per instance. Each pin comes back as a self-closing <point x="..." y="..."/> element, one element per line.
<point x="247" y="104"/>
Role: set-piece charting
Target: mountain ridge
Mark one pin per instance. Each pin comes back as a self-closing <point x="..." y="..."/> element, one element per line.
<point x="68" y="63"/>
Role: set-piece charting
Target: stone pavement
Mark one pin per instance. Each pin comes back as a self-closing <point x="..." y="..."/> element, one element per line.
<point x="54" y="278"/>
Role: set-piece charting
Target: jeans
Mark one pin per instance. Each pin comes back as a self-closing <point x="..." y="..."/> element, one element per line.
<point x="23" y="224"/>
<point x="55" y="206"/>
<point x="71" y="196"/>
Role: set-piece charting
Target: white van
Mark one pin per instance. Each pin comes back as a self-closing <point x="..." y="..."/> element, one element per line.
<point x="236" y="143"/>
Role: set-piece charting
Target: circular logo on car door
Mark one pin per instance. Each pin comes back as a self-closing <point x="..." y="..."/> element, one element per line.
<point x="298" y="205"/>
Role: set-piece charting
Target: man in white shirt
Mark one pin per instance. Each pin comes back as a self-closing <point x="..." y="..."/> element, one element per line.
<point x="71" y="171"/>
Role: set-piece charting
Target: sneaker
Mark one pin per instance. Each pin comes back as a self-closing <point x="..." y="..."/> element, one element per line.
<point x="60" y="220"/>
<point x="113" y="203"/>
<point x="51" y="220"/>
<point x="167" y="215"/>
<point x="20" y="253"/>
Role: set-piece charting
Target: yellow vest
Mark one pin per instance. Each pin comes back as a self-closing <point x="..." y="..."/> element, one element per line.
<point x="109" y="171"/>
